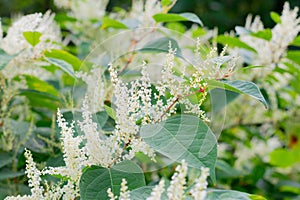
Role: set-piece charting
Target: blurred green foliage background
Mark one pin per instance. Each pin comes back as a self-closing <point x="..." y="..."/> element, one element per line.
<point x="224" y="14"/>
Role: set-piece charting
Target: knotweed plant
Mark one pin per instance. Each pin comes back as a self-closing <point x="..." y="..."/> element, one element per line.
<point x="131" y="104"/>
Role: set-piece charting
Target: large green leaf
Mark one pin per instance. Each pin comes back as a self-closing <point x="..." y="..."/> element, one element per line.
<point x="7" y="174"/>
<point x="5" y="59"/>
<point x="40" y="93"/>
<point x="284" y="157"/>
<point x="62" y="65"/>
<point x="183" y="137"/>
<point x="110" y="111"/>
<point x="161" y="45"/>
<point x="241" y="87"/>
<point x="32" y="37"/>
<point x="5" y="158"/>
<point x="96" y="180"/>
<point x="64" y="60"/>
<point x="111" y="23"/>
<point x="265" y="34"/>
<point x="35" y="83"/>
<point x="215" y="194"/>
<point x="233" y="42"/>
<point x="171" y="17"/>
<point x="41" y="99"/>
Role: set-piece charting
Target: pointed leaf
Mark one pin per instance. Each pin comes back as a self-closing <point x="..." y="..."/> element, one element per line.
<point x="183" y="137"/>
<point x="111" y="23"/>
<point x="162" y="45"/>
<point x="171" y="17"/>
<point x="265" y="34"/>
<point x="275" y="17"/>
<point x="233" y="42"/>
<point x="62" y="65"/>
<point x="32" y="37"/>
<point x="65" y="56"/>
<point x="96" y="180"/>
<point x="241" y="87"/>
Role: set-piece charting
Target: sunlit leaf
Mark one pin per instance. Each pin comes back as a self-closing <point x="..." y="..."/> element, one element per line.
<point x="170" y="17"/>
<point x="241" y="87"/>
<point x="111" y="23"/>
<point x="233" y="42"/>
<point x="183" y="137"/>
<point x="32" y="37"/>
<point x="275" y="17"/>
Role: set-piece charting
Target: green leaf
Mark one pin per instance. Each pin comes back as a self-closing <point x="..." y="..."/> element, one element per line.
<point x="226" y="171"/>
<point x="41" y="99"/>
<point x="65" y="56"/>
<point x="166" y="2"/>
<point x="294" y="56"/>
<point x="241" y="87"/>
<point x="141" y="193"/>
<point x="296" y="41"/>
<point x="62" y="65"/>
<point x="170" y="17"/>
<point x="5" y="158"/>
<point x="283" y="157"/>
<point x="161" y="45"/>
<point x="275" y="17"/>
<point x="233" y="42"/>
<point x="5" y="59"/>
<point x="32" y="37"/>
<point x="33" y="83"/>
<point x="7" y="174"/>
<point x="216" y="194"/>
<point x="110" y="112"/>
<point x="111" y="23"/>
<point x="183" y="137"/>
<point x="96" y="180"/>
<point x="265" y="34"/>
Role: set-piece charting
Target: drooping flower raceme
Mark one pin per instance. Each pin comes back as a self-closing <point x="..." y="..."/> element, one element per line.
<point x="271" y="52"/>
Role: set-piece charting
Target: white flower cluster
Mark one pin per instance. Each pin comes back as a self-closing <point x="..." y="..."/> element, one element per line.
<point x="34" y="180"/>
<point x="84" y="9"/>
<point x="199" y="190"/>
<point x="95" y="88"/>
<point x="270" y="53"/>
<point x="14" y="43"/>
<point x="124" y="193"/>
<point x="143" y="10"/>
<point x="177" y="186"/>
